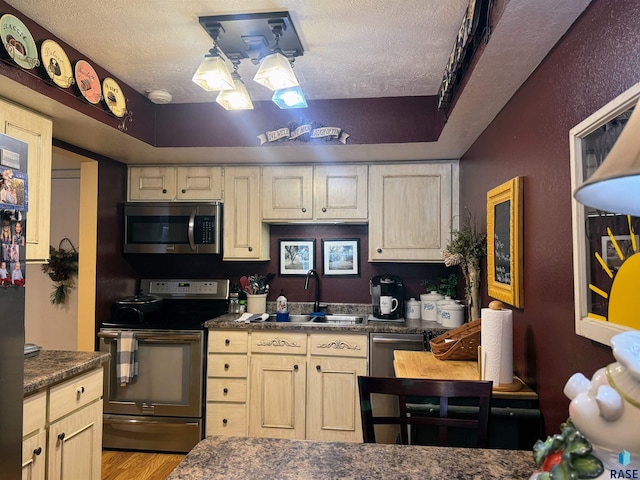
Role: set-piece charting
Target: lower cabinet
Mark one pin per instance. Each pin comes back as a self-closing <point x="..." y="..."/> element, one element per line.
<point x="73" y="428"/>
<point x="294" y="385"/>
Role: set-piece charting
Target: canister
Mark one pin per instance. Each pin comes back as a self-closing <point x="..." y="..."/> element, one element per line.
<point x="452" y="315"/>
<point x="412" y="309"/>
<point x="428" y="305"/>
<point x="441" y="303"/>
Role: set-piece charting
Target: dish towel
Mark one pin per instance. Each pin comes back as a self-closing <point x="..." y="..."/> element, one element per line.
<point x="127" y="361"/>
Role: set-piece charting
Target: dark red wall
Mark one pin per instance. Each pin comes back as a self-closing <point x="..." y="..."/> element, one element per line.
<point x="595" y="61"/>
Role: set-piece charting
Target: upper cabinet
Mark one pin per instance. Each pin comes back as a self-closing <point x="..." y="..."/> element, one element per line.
<point x="411" y="210"/>
<point x="245" y="237"/>
<point x="36" y="131"/>
<point x="323" y="193"/>
<point x="175" y="183"/>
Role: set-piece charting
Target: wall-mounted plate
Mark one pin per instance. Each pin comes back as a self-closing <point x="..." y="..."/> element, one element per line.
<point x="114" y="98"/>
<point x="18" y="42"/>
<point x="56" y="64"/>
<point x="88" y="82"/>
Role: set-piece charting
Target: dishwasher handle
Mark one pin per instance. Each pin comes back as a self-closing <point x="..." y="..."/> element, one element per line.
<point x="397" y="340"/>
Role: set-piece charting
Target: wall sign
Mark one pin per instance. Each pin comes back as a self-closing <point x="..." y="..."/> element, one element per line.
<point x="305" y="132"/>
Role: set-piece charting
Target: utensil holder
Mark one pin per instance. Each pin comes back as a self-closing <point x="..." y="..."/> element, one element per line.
<point x="257" y="303"/>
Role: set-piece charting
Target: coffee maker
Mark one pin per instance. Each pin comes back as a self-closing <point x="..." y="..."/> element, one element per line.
<point x="387" y="297"/>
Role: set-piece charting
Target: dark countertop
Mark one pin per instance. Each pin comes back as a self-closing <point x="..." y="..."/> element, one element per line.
<point x="53" y="366"/>
<point x="240" y="457"/>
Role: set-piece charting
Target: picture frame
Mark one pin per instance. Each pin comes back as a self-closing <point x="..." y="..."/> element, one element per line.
<point x="297" y="256"/>
<point x="609" y="251"/>
<point x="341" y="257"/>
<point x="504" y="243"/>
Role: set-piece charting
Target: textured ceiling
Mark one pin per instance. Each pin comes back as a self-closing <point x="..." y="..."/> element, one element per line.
<point x="353" y="49"/>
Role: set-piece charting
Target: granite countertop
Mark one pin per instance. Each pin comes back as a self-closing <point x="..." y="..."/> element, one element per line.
<point x="53" y="366"/>
<point x="240" y="457"/>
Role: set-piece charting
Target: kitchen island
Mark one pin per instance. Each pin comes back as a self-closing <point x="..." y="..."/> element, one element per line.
<point x="251" y="458"/>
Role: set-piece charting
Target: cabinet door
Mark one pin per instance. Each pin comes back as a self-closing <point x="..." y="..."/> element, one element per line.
<point x="411" y="212"/>
<point x="340" y="192"/>
<point x="152" y="183"/>
<point x="36" y="131"/>
<point x="199" y="183"/>
<point x="333" y="404"/>
<point x="277" y="396"/>
<point x="287" y="193"/>
<point x="34" y="457"/>
<point x="245" y="237"/>
<point x="75" y="445"/>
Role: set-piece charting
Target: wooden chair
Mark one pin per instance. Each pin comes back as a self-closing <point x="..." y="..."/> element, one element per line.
<point x="413" y="387"/>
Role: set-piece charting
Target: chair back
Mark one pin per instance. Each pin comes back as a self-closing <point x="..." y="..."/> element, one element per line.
<point x="404" y="388"/>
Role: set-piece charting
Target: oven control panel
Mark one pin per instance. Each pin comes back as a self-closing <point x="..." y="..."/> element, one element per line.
<point x="191" y="288"/>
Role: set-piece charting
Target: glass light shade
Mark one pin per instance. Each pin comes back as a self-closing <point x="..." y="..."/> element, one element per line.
<point x="236" y="99"/>
<point x="213" y="74"/>
<point x="275" y="73"/>
<point x="289" y="98"/>
<point x="615" y="184"/>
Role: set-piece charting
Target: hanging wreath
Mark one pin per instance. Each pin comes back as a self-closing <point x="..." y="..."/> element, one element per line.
<point x="61" y="267"/>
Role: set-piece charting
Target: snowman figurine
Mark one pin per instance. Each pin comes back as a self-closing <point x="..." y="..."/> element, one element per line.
<point x="606" y="410"/>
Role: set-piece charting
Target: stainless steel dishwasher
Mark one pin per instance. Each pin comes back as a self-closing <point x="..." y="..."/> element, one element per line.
<point x="381" y="347"/>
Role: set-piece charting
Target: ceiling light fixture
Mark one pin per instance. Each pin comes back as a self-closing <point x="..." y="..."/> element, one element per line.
<point x="289" y="98"/>
<point x="238" y="98"/>
<point x="275" y="71"/>
<point x="213" y="73"/>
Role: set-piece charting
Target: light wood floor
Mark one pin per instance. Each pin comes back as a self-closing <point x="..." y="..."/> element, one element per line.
<point x="119" y="465"/>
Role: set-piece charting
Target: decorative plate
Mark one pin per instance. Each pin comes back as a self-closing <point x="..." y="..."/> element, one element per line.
<point x="114" y="97"/>
<point x="88" y="82"/>
<point x="56" y="63"/>
<point x="18" y="41"/>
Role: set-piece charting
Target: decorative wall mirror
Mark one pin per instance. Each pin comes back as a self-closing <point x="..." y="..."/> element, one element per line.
<point x="602" y="241"/>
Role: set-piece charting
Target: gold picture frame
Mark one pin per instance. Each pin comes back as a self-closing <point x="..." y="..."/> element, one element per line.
<point x="504" y="243"/>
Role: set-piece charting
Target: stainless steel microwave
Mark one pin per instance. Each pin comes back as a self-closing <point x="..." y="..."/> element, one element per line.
<point x="173" y="227"/>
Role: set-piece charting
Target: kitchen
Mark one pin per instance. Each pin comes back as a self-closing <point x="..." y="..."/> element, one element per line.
<point x="544" y="330"/>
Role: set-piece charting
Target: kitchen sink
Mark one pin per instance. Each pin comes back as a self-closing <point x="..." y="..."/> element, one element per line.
<point x="327" y="320"/>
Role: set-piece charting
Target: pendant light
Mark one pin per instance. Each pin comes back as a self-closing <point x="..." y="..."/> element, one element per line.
<point x="289" y="98"/>
<point x="213" y="74"/>
<point x="238" y="98"/>
<point x="275" y="71"/>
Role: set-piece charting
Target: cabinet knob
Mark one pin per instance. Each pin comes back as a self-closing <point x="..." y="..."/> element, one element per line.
<point x="295" y="367"/>
<point x="38" y="451"/>
<point x="61" y="436"/>
<point x="224" y="420"/>
<point x="251" y="249"/>
<point x="80" y="390"/>
<point x="318" y="368"/>
<point x="164" y="190"/>
<point x="184" y="190"/>
<point x="304" y="210"/>
<point x="225" y="390"/>
<point x="226" y="366"/>
<point x="227" y="341"/>
<point x="379" y="250"/>
<point x="324" y="209"/>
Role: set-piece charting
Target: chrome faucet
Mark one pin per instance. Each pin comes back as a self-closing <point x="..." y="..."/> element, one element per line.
<point x="316" y="303"/>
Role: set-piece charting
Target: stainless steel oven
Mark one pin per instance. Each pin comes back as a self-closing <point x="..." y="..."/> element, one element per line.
<point x="162" y="409"/>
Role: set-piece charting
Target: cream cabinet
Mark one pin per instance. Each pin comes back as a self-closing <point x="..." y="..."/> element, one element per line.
<point x="34" y="437"/>
<point x="412" y="210"/>
<point x="175" y="183"/>
<point x="75" y="428"/>
<point x="320" y="193"/>
<point x="245" y="237"/>
<point x="227" y="369"/>
<point x="333" y="403"/>
<point x="36" y="130"/>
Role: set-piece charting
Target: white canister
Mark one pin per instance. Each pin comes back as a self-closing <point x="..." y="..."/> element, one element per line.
<point x="412" y="309"/>
<point x="428" y="306"/>
<point x="441" y="303"/>
<point x="452" y="315"/>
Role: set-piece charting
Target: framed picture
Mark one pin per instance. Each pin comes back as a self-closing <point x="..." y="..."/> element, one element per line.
<point x="341" y="257"/>
<point x="504" y="242"/>
<point x="617" y="248"/>
<point x="297" y="257"/>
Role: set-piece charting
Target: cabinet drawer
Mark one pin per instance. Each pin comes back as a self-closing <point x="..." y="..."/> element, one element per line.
<point x="338" y="344"/>
<point x="226" y="419"/>
<point x="74" y="393"/>
<point x="278" y="342"/>
<point x="225" y="341"/>
<point x="226" y="390"/>
<point x="34" y="413"/>
<point x="227" y="366"/>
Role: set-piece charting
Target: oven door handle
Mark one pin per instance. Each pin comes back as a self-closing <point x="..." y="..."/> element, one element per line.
<point x="155" y="338"/>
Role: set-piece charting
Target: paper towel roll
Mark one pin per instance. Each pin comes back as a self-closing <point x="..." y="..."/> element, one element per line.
<point x="496" y="338"/>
